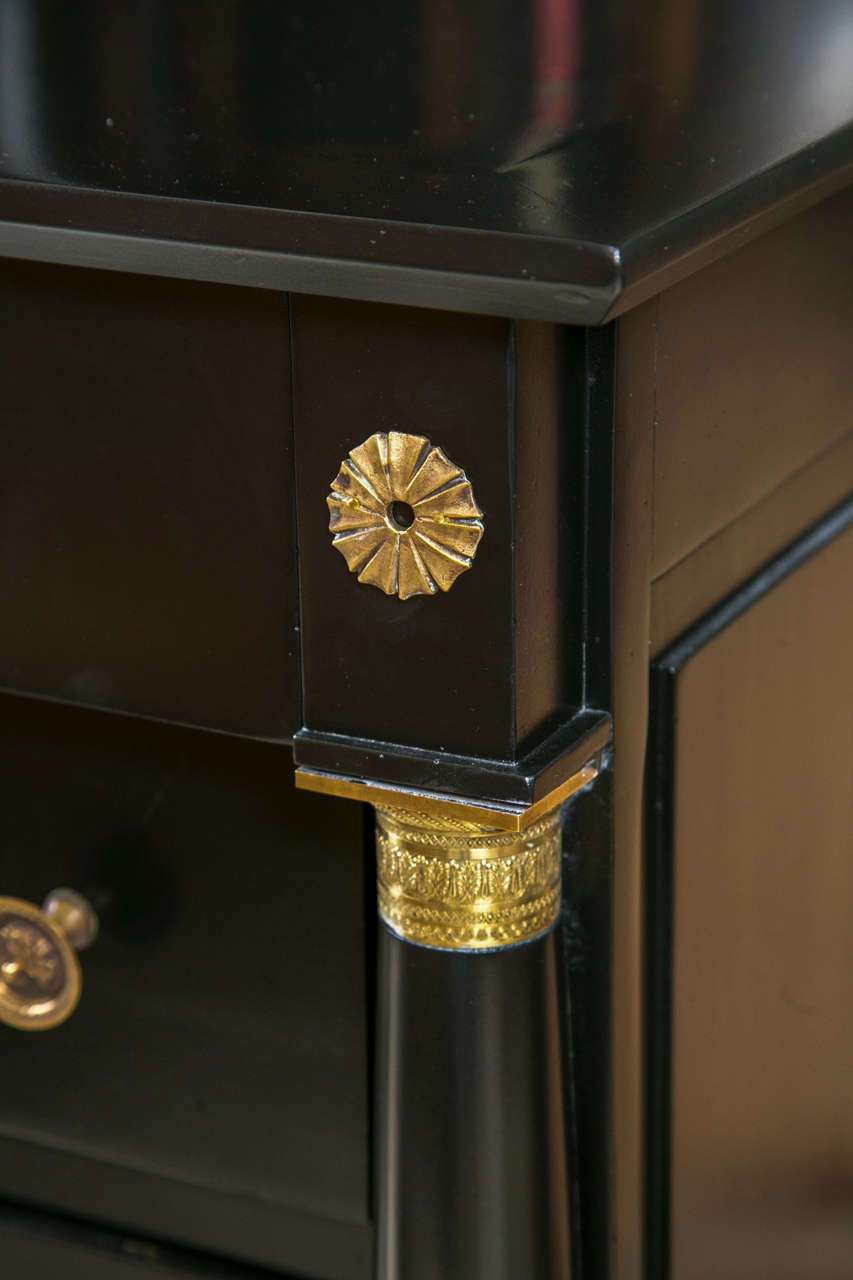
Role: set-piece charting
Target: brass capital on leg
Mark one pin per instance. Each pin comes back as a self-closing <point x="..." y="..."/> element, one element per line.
<point x="449" y="883"/>
<point x="446" y="878"/>
<point x="450" y="880"/>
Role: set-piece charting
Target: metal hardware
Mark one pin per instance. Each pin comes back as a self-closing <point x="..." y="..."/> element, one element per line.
<point x="443" y="882"/>
<point x="403" y="515"/>
<point x="458" y="875"/>
<point x="40" y="978"/>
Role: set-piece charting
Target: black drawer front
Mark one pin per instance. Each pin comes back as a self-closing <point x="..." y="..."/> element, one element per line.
<point x="146" y="544"/>
<point x="44" y="1246"/>
<point x="212" y="1087"/>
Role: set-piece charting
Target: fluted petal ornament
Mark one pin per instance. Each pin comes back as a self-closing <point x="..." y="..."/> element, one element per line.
<point x="403" y="515"/>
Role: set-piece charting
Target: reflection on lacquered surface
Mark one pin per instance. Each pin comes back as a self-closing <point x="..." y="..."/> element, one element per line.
<point x="560" y="117"/>
<point x="762" y="998"/>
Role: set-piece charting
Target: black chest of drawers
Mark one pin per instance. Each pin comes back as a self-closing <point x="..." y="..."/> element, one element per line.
<point x="427" y="472"/>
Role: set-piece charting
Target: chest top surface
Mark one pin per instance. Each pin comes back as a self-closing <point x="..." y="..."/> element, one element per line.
<point x="558" y="160"/>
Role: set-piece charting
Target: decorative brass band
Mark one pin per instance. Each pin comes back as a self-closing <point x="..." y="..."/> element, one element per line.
<point x="444" y="882"/>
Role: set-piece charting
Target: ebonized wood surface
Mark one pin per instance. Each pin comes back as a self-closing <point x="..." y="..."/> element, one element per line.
<point x="46" y="1245"/>
<point x="487" y="689"/>
<point x="714" y="475"/>
<point x="568" y="152"/>
<point x="472" y="1141"/>
<point x="213" y="1087"/>
<point x="750" y="1164"/>
<point x="557" y="161"/>
<point x="146" y="513"/>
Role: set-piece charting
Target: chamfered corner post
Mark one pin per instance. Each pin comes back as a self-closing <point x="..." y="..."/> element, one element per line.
<point x="454" y="641"/>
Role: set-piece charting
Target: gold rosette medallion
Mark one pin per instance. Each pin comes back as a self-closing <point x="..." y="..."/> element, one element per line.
<point x="403" y="515"/>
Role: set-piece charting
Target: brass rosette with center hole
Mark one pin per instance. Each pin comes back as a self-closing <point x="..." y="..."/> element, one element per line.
<point x="456" y="885"/>
<point x="403" y="515"/>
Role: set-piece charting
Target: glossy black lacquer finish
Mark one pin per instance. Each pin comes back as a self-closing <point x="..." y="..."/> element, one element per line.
<point x="212" y="1088"/>
<point x="472" y="1117"/>
<point x="750" y="1152"/>
<point x="433" y="671"/>
<point x="593" y="145"/>
<point x="146" y="558"/>
<point x="488" y="689"/>
<point x="587" y="944"/>
<point x="43" y="1246"/>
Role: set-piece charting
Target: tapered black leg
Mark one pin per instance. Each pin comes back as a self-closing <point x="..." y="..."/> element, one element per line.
<point x="472" y="1153"/>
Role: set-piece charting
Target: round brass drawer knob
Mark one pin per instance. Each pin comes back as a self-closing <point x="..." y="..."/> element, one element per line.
<point x="40" y="979"/>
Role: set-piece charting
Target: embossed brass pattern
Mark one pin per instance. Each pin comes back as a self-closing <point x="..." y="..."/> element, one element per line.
<point x="403" y="515"/>
<point x="444" y="882"/>
<point x="40" y="979"/>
